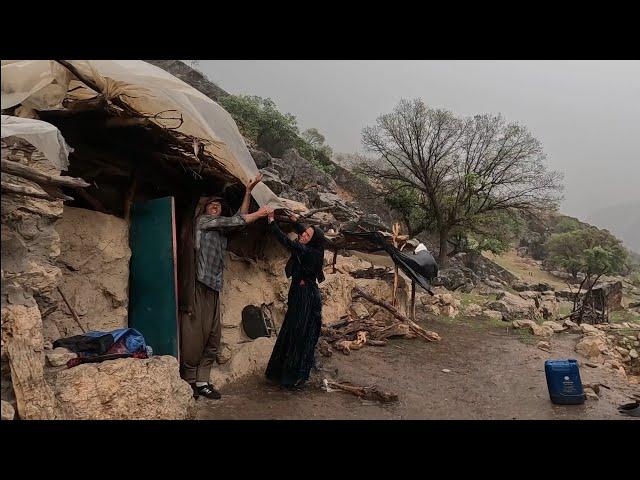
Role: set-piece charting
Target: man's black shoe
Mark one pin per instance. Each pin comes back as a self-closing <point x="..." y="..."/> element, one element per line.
<point x="207" y="391"/>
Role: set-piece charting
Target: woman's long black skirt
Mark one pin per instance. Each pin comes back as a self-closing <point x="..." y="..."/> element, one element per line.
<point x="293" y="354"/>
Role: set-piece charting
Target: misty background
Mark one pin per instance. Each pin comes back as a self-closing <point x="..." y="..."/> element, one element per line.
<point x="585" y="113"/>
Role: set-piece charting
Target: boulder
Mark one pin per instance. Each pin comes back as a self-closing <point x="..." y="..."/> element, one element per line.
<point x="493" y="284"/>
<point x="592" y="347"/>
<point x="572" y="326"/>
<point x="541" y="330"/>
<point x="586" y="328"/>
<point x="454" y="279"/>
<point x="473" y="310"/>
<point x="303" y="174"/>
<point x="542" y="345"/>
<point x="262" y="159"/>
<point x="522" y="323"/>
<point x="513" y="306"/>
<point x="529" y="295"/>
<point x="520" y="286"/>
<point x="555" y="326"/>
<point x="432" y="309"/>
<point x="340" y="209"/>
<point x="121" y="389"/>
<point x="449" y="311"/>
<point x="493" y="314"/>
<point x="272" y="180"/>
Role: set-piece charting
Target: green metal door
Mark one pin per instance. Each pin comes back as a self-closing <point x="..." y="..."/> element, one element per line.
<point x="152" y="282"/>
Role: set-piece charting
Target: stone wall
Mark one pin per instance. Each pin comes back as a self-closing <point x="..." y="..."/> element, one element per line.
<point x="94" y="261"/>
<point x="30" y="245"/>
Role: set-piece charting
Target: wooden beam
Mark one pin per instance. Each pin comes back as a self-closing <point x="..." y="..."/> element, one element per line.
<point x="30" y="173"/>
<point x="31" y="192"/>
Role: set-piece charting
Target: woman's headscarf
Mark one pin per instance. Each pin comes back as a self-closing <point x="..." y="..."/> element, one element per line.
<point x="315" y="260"/>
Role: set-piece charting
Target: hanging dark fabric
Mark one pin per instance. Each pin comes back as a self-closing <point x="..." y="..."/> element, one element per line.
<point x="421" y="267"/>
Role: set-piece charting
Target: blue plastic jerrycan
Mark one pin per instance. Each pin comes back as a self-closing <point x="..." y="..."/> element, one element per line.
<point x="563" y="381"/>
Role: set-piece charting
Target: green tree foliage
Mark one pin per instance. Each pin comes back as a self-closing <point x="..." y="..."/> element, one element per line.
<point x="587" y="250"/>
<point x="261" y="122"/>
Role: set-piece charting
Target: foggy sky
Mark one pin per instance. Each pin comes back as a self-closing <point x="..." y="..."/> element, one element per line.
<point x="585" y="113"/>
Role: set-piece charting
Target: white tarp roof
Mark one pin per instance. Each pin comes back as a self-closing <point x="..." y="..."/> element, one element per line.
<point x="42" y="135"/>
<point x="43" y="84"/>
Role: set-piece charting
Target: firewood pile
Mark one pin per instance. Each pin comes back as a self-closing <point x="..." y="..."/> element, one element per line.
<point x="373" y="329"/>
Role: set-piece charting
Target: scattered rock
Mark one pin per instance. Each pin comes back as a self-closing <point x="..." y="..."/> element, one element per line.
<point x="573" y="327"/>
<point x="432" y="309"/>
<point x="590" y="394"/>
<point x="544" y="346"/>
<point x="449" y="311"/>
<point x="592" y="347"/>
<point x="541" y="330"/>
<point x="59" y="356"/>
<point x="555" y="326"/>
<point x="8" y="412"/>
<point x="446" y="370"/>
<point x="492" y="314"/>
<point x="633" y="353"/>
<point x="591" y="364"/>
<point x="523" y="323"/>
<point x="492" y="284"/>
<point x="473" y="310"/>
<point x="586" y="328"/>
<point x="520" y="286"/>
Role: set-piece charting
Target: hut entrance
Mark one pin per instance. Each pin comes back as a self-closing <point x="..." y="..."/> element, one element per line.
<point x="146" y="190"/>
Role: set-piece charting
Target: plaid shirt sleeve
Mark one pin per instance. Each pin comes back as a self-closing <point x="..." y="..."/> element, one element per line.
<point x="209" y="222"/>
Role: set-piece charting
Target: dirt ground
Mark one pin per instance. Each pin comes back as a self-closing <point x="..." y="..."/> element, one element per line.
<point x="493" y="375"/>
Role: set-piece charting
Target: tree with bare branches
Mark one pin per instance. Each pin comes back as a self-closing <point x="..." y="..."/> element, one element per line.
<point x="460" y="168"/>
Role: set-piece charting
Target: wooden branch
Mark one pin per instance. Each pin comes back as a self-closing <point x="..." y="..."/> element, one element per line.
<point x="314" y="211"/>
<point x="30" y="192"/>
<point x="417" y="329"/>
<point x="73" y="312"/>
<point x="30" y="173"/>
<point x="366" y="393"/>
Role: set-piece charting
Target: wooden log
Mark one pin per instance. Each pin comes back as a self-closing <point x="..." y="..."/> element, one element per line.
<point x="31" y="192"/>
<point x="335" y="258"/>
<point x="421" y="332"/>
<point x="366" y="393"/>
<point x="30" y="173"/>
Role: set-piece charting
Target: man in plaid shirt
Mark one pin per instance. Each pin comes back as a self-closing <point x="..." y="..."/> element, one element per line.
<point x="201" y="332"/>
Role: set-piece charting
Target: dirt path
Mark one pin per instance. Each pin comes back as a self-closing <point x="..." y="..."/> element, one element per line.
<point x="493" y="376"/>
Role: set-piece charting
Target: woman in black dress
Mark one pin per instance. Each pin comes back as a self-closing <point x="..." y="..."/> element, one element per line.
<point x="293" y="355"/>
